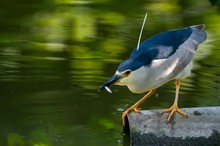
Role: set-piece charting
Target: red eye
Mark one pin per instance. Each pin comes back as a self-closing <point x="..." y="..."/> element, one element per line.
<point x="127" y="72"/>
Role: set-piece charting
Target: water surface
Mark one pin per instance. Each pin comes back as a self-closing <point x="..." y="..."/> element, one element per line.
<point x="54" y="55"/>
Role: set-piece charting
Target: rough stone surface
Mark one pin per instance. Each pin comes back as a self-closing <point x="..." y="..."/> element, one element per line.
<point x="150" y="128"/>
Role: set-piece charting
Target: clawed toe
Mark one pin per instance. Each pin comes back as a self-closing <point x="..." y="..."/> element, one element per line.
<point x="172" y="110"/>
<point x="124" y="114"/>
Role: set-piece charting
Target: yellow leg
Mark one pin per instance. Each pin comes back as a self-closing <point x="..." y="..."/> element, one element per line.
<point x="174" y="108"/>
<point x="136" y="105"/>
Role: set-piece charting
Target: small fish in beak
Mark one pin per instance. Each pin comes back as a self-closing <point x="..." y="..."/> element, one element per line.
<point x="108" y="89"/>
<point x="109" y="82"/>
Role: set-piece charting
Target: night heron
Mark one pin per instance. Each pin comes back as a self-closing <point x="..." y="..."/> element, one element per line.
<point x="159" y="59"/>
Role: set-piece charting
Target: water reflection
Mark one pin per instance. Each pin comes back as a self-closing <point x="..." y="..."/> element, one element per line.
<point x="54" y="55"/>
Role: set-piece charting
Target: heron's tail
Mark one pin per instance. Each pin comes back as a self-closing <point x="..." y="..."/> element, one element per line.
<point x="199" y="35"/>
<point x="199" y="26"/>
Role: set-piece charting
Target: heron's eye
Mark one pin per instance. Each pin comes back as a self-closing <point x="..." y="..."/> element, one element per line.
<point x="127" y="72"/>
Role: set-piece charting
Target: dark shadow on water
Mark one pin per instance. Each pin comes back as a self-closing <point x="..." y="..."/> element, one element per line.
<point x="126" y="133"/>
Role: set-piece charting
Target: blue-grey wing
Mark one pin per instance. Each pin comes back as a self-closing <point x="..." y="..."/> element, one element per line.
<point x="167" y="43"/>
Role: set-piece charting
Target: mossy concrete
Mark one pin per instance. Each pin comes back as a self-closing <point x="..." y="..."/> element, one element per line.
<point x="149" y="127"/>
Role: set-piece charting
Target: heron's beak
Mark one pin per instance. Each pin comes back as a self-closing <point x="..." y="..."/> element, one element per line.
<point x="110" y="82"/>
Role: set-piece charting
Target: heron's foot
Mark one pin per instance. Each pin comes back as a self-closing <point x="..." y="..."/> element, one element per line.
<point x="174" y="108"/>
<point x="132" y="108"/>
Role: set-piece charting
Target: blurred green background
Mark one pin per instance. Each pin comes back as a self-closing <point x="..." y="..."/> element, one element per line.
<point x="54" y="55"/>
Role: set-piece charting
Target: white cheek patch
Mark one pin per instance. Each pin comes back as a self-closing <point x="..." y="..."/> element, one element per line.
<point x="117" y="73"/>
<point x="108" y="89"/>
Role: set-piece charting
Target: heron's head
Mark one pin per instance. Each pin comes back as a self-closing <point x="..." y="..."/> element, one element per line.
<point x="123" y="75"/>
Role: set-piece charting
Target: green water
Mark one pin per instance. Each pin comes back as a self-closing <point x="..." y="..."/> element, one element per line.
<point x="54" y="55"/>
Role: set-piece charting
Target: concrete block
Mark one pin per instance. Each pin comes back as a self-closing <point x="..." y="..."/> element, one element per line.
<point x="149" y="128"/>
